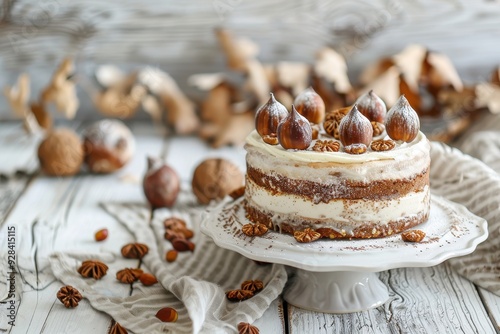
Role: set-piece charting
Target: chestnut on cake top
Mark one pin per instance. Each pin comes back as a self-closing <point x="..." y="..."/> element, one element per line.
<point x="366" y="126"/>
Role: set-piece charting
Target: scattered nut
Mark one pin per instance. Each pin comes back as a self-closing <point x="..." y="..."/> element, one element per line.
<point x="271" y="139"/>
<point x="69" y="296"/>
<point x="174" y="224"/>
<point x="93" y="269"/>
<point x="134" y="250"/>
<point x="171" y="255"/>
<point x="246" y="328"/>
<point x="61" y="153"/>
<point x="307" y="235"/>
<point x="171" y="235"/>
<point x="148" y="279"/>
<point x="413" y="235"/>
<point x="382" y="145"/>
<point x="252" y="285"/>
<point x="101" y="234"/>
<point x="254" y="229"/>
<point x="183" y="245"/>
<point x="213" y="179"/>
<point x="238" y="295"/>
<point x="128" y="275"/>
<point x="378" y="128"/>
<point x="167" y="314"/>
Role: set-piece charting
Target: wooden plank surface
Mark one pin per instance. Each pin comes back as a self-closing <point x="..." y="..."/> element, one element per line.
<point x="62" y="214"/>
<point x="422" y="300"/>
<point x="492" y="304"/>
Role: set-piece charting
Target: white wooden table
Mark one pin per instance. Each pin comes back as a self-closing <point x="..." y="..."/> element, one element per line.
<point x="63" y="213"/>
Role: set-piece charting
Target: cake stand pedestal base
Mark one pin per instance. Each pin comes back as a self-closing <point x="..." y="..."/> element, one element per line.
<point x="336" y="292"/>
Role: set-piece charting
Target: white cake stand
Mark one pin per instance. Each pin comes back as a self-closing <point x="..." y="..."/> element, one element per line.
<point x="339" y="276"/>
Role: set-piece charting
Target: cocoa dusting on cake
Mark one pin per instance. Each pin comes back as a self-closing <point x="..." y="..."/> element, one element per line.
<point x="343" y="189"/>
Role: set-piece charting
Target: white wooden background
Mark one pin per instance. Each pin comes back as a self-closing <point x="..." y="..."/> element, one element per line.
<point x="178" y="35"/>
<point x="61" y="214"/>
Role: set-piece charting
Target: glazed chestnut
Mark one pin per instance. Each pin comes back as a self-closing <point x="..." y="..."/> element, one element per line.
<point x="372" y="107"/>
<point x="310" y="105"/>
<point x="267" y="119"/>
<point x="161" y="184"/>
<point x="402" y="121"/>
<point x="355" y="128"/>
<point x="295" y="131"/>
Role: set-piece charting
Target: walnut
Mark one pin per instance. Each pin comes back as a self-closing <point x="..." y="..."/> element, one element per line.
<point x="93" y="269"/>
<point x="69" y="296"/>
<point x="246" y="328"/>
<point x="306" y="235"/>
<point x="238" y="295"/>
<point x="254" y="229"/>
<point x="326" y="146"/>
<point x="413" y="235"/>
<point x="382" y="145"/>
<point x="214" y="179"/>
<point x="61" y="153"/>
<point x="128" y="275"/>
<point x="252" y="285"/>
<point x="378" y="128"/>
<point x="332" y="121"/>
<point x="174" y="224"/>
<point x="355" y="149"/>
<point x="116" y="328"/>
<point x="134" y="250"/>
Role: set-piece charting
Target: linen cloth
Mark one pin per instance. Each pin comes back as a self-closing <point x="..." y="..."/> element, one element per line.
<point x="196" y="285"/>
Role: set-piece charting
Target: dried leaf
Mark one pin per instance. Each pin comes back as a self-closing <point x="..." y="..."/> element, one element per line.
<point x="495" y="76"/>
<point x="18" y="97"/>
<point x="61" y="90"/>
<point x="206" y="81"/>
<point x="411" y="95"/>
<point x="371" y="72"/>
<point x="331" y="66"/>
<point x="235" y="130"/>
<point x="257" y="81"/>
<point x="386" y="86"/>
<point x="442" y="72"/>
<point x="180" y="110"/>
<point x="152" y="106"/>
<point x="488" y="95"/>
<point x="410" y="62"/>
<point x="294" y="75"/>
<point x="110" y="75"/>
<point x="238" y="50"/>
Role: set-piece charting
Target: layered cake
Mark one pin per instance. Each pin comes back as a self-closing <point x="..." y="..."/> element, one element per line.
<point x="366" y="177"/>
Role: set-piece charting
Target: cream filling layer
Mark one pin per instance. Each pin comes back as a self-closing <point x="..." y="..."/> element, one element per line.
<point x="347" y="211"/>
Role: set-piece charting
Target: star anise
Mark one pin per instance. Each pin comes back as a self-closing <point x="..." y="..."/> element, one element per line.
<point x="252" y="285"/>
<point x="326" y="146"/>
<point x="238" y="295"/>
<point x="332" y="121"/>
<point x="306" y="235"/>
<point x="128" y="275"/>
<point x="69" y="296"/>
<point x="116" y="328"/>
<point x="378" y="128"/>
<point x="93" y="268"/>
<point x="254" y="229"/>
<point x="382" y="145"/>
<point x="246" y="328"/>
<point x="135" y="250"/>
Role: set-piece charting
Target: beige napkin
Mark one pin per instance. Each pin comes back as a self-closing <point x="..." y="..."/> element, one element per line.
<point x="195" y="286"/>
<point x="468" y="181"/>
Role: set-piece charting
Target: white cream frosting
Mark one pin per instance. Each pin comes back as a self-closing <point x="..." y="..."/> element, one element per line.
<point x="402" y="151"/>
